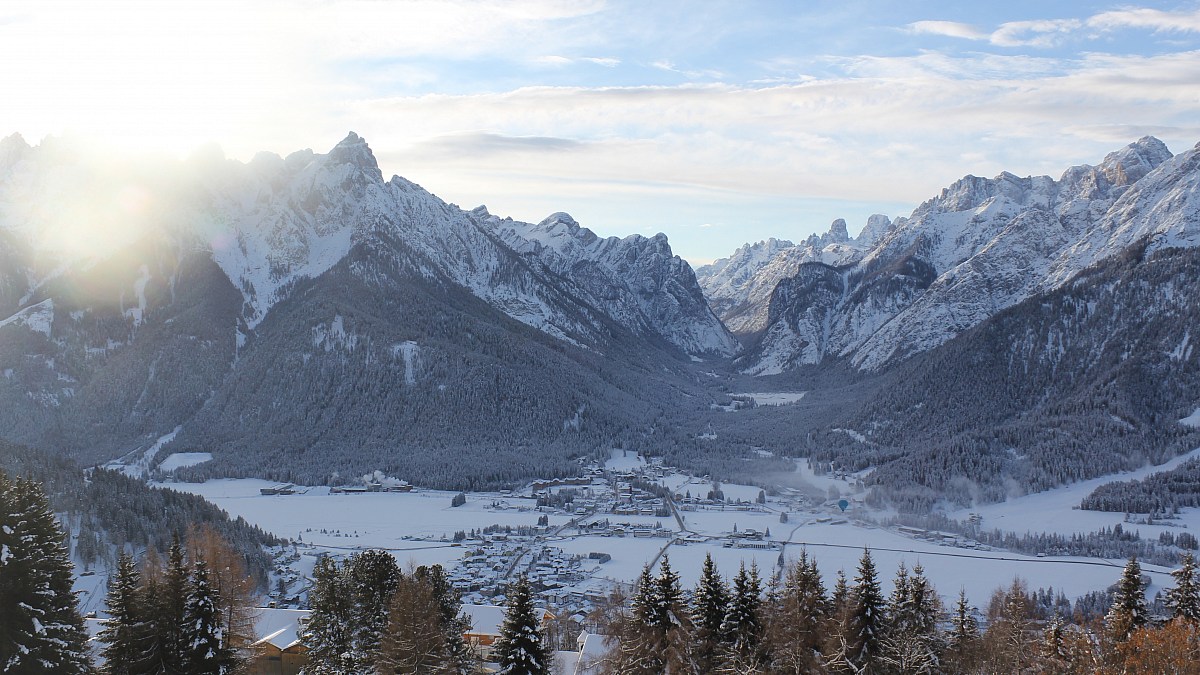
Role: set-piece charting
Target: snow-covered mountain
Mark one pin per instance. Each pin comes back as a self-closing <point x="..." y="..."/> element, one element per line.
<point x="224" y="304"/>
<point x="739" y="287"/>
<point x="981" y="246"/>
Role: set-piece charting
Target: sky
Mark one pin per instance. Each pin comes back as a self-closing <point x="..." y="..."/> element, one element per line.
<point x="717" y="123"/>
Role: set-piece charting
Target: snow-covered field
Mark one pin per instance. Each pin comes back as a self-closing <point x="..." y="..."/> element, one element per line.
<point x="773" y="397"/>
<point x="416" y="526"/>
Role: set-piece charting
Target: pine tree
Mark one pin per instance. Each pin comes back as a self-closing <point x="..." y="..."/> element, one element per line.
<point x="911" y="643"/>
<point x="168" y="613"/>
<point x="1054" y="649"/>
<point x="124" y="632"/>
<point x="373" y="577"/>
<point x="41" y="630"/>
<point x="521" y="649"/>
<point x="709" y="604"/>
<point x="1184" y="599"/>
<point x="1128" y="611"/>
<point x="328" y="633"/>
<point x="203" y="635"/>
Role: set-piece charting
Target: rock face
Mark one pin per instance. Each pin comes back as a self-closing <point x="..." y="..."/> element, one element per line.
<point x="303" y="309"/>
<point x="981" y="246"/>
<point x="739" y="287"/>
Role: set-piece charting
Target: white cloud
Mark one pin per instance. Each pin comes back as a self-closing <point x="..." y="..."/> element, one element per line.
<point x="1160" y="21"/>
<point x="948" y="29"/>
<point x="1042" y="33"/>
<point x="856" y="137"/>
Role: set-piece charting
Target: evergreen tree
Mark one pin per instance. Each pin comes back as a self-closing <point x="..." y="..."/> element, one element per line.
<point x="742" y="627"/>
<point x="638" y="650"/>
<point x="672" y="621"/>
<point x="709" y="604"/>
<point x="911" y="642"/>
<point x="964" y="635"/>
<point x="204" y="652"/>
<point x="41" y="630"/>
<point x="521" y="649"/>
<point x="328" y="633"/>
<point x="1184" y="599"/>
<point x="125" y="631"/>
<point x="797" y="620"/>
<point x="1054" y="648"/>
<point x="1128" y="611"/>
<point x="373" y="577"/>
<point x="168" y="614"/>
<point x="865" y="620"/>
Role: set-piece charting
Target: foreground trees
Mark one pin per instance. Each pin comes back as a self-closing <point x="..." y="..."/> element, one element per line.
<point x="369" y="616"/>
<point x="171" y="618"/>
<point x="41" y="630"/>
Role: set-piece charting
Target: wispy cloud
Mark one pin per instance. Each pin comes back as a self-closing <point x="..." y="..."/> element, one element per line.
<point x="948" y="29"/>
<point x="1046" y="33"/>
<point x="1159" y="20"/>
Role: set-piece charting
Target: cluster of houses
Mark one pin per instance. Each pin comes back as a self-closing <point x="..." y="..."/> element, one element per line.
<point x="280" y="649"/>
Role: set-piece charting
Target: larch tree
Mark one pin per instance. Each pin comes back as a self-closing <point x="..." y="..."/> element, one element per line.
<point x="232" y="583"/>
<point x="797" y="620"/>
<point x="412" y="644"/>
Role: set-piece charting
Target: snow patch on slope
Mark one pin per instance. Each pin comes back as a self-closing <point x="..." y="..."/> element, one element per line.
<point x="38" y="318"/>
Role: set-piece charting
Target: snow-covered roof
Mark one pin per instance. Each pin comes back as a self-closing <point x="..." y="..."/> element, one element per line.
<point x="592" y="654"/>
<point x="279" y="627"/>
<point x="485" y="619"/>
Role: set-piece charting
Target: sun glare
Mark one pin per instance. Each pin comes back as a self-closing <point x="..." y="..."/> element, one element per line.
<point x="147" y="75"/>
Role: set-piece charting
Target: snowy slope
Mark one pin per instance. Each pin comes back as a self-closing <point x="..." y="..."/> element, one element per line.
<point x="637" y="280"/>
<point x="739" y="287"/>
<point x="979" y="247"/>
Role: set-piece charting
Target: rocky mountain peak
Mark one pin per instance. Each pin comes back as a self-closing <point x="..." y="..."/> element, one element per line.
<point x="1131" y="163"/>
<point x="353" y="150"/>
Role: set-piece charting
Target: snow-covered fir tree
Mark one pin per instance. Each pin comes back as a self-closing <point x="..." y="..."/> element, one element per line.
<point x="865" y="619"/>
<point x="521" y="649"/>
<point x="1128" y="611"/>
<point x="328" y="633"/>
<point x="709" y="603"/>
<point x="743" y="625"/>
<point x="450" y="621"/>
<point x="372" y="579"/>
<point x="1184" y="599"/>
<point x="41" y="630"/>
<point x="205" y="652"/>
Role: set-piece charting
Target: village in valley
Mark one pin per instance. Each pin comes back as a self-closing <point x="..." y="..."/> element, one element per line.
<point x="582" y="542"/>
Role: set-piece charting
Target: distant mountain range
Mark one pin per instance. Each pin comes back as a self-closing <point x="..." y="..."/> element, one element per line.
<point x="304" y="319"/>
